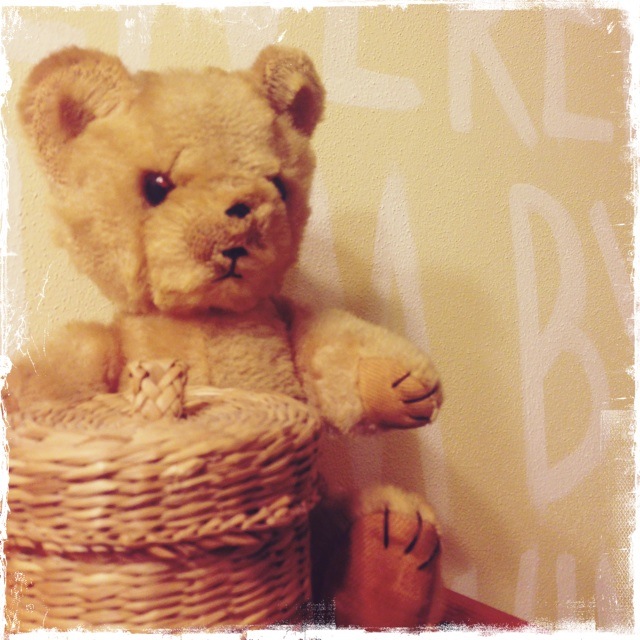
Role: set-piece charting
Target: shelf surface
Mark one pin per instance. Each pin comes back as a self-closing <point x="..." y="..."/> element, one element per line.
<point x="462" y="610"/>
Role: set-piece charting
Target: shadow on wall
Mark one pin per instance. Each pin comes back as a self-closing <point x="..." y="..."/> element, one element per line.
<point x="443" y="461"/>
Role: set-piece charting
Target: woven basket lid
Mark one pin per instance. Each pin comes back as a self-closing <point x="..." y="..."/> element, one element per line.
<point x="92" y="476"/>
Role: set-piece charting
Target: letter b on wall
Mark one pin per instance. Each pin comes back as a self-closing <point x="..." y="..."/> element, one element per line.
<point x="541" y="346"/>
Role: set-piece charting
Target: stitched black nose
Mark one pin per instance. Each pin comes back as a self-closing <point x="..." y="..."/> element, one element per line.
<point x="235" y="252"/>
<point x="238" y="210"/>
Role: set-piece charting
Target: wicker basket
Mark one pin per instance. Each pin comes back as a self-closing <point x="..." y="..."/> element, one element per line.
<point x="188" y="522"/>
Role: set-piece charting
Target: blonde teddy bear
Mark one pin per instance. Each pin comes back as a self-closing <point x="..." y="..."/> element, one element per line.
<point x="184" y="195"/>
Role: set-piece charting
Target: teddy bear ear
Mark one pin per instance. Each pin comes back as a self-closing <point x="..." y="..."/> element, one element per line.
<point x="290" y="82"/>
<point x="64" y="93"/>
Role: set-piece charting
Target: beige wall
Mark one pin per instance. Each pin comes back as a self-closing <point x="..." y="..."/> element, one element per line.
<point x="472" y="193"/>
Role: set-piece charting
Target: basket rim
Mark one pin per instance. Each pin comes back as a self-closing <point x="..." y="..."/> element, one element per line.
<point x="152" y="484"/>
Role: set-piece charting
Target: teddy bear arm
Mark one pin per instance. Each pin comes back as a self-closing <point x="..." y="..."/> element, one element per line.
<point x="79" y="361"/>
<point x="358" y="373"/>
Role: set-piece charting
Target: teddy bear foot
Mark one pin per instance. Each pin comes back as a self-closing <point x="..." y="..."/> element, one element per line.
<point x="392" y="574"/>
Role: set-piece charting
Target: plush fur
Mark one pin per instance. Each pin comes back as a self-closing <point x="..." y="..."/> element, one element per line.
<point x="184" y="196"/>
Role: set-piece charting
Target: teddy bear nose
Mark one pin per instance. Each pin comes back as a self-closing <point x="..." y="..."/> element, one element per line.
<point x="235" y="252"/>
<point x="238" y="210"/>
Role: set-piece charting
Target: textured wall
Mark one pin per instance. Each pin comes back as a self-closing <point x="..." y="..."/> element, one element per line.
<point x="472" y="192"/>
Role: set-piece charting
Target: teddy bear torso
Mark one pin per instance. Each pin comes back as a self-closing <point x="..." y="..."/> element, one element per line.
<point x="244" y="350"/>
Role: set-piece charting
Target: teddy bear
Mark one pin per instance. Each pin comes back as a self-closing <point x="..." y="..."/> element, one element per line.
<point x="184" y="195"/>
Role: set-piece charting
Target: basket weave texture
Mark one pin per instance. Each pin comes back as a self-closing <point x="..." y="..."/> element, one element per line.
<point x="176" y="523"/>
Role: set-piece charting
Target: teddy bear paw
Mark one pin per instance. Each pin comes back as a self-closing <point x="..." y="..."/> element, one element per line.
<point x="392" y="577"/>
<point x="394" y="396"/>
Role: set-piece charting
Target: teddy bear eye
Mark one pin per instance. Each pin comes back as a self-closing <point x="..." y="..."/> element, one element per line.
<point x="277" y="181"/>
<point x="156" y="187"/>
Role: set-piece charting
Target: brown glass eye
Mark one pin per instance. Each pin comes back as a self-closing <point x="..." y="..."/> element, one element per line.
<point x="279" y="185"/>
<point x="156" y="187"/>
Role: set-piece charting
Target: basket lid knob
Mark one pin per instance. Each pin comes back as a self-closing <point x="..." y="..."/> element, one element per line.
<point x="156" y="388"/>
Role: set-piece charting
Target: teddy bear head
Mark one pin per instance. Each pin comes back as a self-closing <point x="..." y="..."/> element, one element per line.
<point x="177" y="191"/>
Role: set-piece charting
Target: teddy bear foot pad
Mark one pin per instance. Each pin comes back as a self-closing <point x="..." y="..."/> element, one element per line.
<point x="392" y="578"/>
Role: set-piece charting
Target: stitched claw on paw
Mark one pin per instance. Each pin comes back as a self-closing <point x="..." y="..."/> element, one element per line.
<point x="429" y="561"/>
<point x="417" y="536"/>
<point x="394" y="396"/>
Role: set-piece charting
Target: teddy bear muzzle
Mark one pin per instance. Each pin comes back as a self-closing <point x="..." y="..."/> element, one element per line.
<point x="231" y="224"/>
<point x="219" y="247"/>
